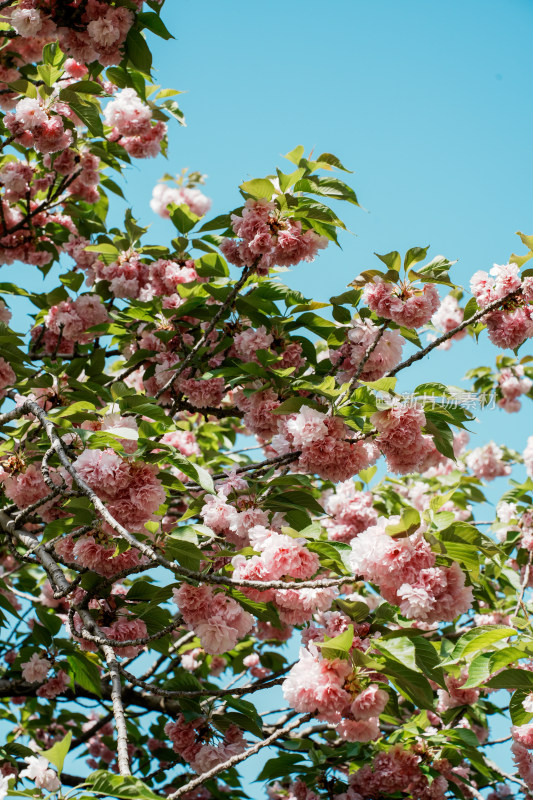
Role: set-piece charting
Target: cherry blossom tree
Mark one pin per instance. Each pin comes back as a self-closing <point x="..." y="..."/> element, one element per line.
<point x="215" y="498"/>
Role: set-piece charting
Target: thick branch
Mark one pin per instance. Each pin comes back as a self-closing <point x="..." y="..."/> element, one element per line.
<point x="118" y="710"/>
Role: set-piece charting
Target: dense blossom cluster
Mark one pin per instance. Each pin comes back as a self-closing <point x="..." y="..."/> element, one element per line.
<point x="511" y="325"/>
<point x="512" y="383"/>
<point x="406" y="305"/>
<point x="269" y="240"/>
<point x="218" y="620"/>
<point x="326" y="445"/>
<point x="447" y="317"/>
<point x="385" y="356"/>
<point x="90" y="31"/>
<point x="131" y="120"/>
<point x="405" y="571"/>
<point x="186" y="740"/>
<point x="164" y="195"/>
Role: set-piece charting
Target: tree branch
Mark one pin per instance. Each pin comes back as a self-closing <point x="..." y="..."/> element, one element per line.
<point x="238" y="758"/>
<point x="247" y="271"/>
<point x="445" y="336"/>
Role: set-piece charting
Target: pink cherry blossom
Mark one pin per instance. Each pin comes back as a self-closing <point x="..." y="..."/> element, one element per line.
<point x="487" y="462"/>
<point x="36" y="669"/>
<point x="217" y="619"/>
<point x="316" y="685"/>
<point x="39" y="772"/>
<point x="351" y="512"/>
<point x="385" y="356"/>
<point x="406" y="305"/>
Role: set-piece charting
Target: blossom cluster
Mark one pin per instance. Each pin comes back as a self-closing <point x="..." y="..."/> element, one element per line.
<point x="268" y="239"/>
<point x="406" y="573"/>
<point x="510" y="325"/>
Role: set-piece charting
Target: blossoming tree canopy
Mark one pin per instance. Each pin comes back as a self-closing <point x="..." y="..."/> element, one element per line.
<point x="182" y="580"/>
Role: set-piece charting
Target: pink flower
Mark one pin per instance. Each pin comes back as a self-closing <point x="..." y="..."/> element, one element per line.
<point x="54" y="686"/>
<point x="203" y="393"/>
<point x="30" y="113"/>
<point x="370" y="702"/>
<point x="512" y="384"/>
<point x="385" y="356"/>
<point x="316" y="685"/>
<point x="351" y="512"/>
<point x="99" y="556"/>
<point x="7" y="376"/>
<point x="217" y="514"/>
<point x="524" y="762"/>
<point x="164" y="195"/>
<point x="502" y="280"/>
<point x="523" y="734"/>
<point x="247" y="343"/>
<point x="359" y="730"/>
<point x="39" y="772"/>
<point x="123" y="630"/>
<point x="184" y="441"/>
<point x="456" y="695"/>
<point x="104" y="470"/>
<point x="509" y="329"/>
<point x="269" y="239"/>
<point x="128" y="114"/>
<point x="306" y="427"/>
<point x="487" y="462"/>
<point x="447" y="317"/>
<point x="527" y="455"/>
<point x="283" y="555"/>
<point x="36" y="669"/>
<point x="401" y="439"/>
<point x="404" y="305"/>
<point x="296" y="606"/>
<point x="217" y="619"/>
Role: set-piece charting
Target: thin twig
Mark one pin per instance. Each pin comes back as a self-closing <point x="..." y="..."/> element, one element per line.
<point x="238" y="758"/>
<point x="203" y="339"/>
<point x="450" y="334"/>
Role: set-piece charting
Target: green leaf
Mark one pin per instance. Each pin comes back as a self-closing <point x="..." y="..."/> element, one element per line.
<point x="258" y="188"/>
<point x="339" y="646"/>
<point x="138" y="51"/>
<point x="329" y="158"/>
<point x="56" y="755"/>
<point x="281" y="766"/>
<point x="87" y="112"/>
<point x="212" y="265"/>
<point x="409" y="523"/>
<point x="517" y="712"/>
<point x="182" y="217"/>
<point x="154" y="23"/>
<point x="414" y="255"/>
<point x="185" y="553"/>
<point x="479" y="671"/>
<point x="121" y="786"/>
<point x="356" y="610"/>
<point x="296" y="155"/>
<point x="512" y="679"/>
<point x="410" y="683"/>
<point x="478" y="639"/>
<point x="393" y="260"/>
<point x="52" y="54"/>
<point x="85" y="672"/>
